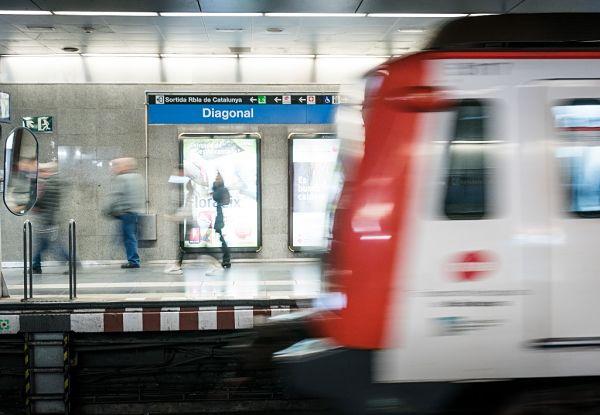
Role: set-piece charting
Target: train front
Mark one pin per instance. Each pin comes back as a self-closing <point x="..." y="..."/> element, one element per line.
<point x="347" y="321"/>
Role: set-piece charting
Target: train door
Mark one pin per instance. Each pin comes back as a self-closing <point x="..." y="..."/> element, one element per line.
<point x="573" y="131"/>
<point x="459" y="284"/>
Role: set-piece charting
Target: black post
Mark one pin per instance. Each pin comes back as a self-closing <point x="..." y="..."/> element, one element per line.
<point x="25" y="291"/>
<point x="30" y="259"/>
<point x="72" y="260"/>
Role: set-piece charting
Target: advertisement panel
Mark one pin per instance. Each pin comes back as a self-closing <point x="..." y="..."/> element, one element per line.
<point x="313" y="180"/>
<point x="236" y="158"/>
<point x="4" y="107"/>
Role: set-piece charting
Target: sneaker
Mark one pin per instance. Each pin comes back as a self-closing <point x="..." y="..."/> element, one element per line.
<point x="130" y="265"/>
<point x="226" y="265"/>
<point x="173" y="269"/>
<point x="36" y="270"/>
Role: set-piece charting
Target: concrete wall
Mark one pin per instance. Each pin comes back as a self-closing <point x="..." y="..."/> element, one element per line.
<point x="94" y="123"/>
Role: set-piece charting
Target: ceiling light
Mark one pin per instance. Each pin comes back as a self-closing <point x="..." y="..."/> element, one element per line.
<point x="411" y="30"/>
<point x="354" y="56"/>
<point x="45" y="55"/>
<point x="35" y="28"/>
<point x="229" y="30"/>
<point x="203" y="14"/>
<point x="315" y="14"/>
<point x="274" y="29"/>
<point x="482" y="14"/>
<point x="416" y="15"/>
<point x="128" y="14"/>
<point x="29" y="12"/>
<point x="276" y="56"/>
<point x="188" y="55"/>
<point x="70" y="49"/>
<point x="120" y="55"/>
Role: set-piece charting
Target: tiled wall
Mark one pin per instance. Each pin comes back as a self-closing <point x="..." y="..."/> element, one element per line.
<point x="94" y="123"/>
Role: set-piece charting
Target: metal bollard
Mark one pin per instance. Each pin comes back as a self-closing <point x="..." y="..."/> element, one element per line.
<point x="72" y="259"/>
<point x="27" y="260"/>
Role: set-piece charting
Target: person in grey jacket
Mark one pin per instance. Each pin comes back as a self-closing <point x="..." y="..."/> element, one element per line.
<point x="126" y="202"/>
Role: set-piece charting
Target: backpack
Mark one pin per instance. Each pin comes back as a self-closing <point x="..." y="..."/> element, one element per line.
<point x="226" y="199"/>
<point x="221" y="195"/>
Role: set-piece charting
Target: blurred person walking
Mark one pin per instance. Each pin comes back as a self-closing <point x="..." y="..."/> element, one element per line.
<point x="47" y="210"/>
<point x="221" y="196"/>
<point x="126" y="202"/>
<point x="181" y="215"/>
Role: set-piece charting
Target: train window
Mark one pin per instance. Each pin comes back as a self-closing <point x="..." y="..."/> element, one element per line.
<point x="578" y="124"/>
<point x="467" y="175"/>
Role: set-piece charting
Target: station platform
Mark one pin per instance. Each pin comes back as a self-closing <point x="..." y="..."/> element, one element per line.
<point x="199" y="281"/>
<point x="204" y="297"/>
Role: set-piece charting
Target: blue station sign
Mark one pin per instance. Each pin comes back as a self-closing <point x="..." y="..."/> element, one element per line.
<point x="241" y="109"/>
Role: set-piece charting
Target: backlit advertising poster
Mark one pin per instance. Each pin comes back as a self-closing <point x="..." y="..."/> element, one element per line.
<point x="312" y="180"/>
<point x="236" y="158"/>
<point x="4" y="107"/>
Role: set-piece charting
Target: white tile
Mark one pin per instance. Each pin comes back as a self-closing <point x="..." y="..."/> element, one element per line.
<point x="132" y="322"/>
<point x="87" y="322"/>
<point x="207" y="318"/>
<point x="244" y="317"/>
<point x="169" y="321"/>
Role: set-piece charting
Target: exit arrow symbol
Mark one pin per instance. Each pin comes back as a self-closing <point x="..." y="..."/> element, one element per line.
<point x="252" y="99"/>
<point x="301" y="99"/>
<point x="277" y="99"/>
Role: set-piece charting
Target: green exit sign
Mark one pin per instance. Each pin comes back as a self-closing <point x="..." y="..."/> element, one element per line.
<point x="41" y="124"/>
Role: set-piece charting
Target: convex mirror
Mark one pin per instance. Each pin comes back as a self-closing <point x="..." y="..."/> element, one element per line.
<point x="20" y="171"/>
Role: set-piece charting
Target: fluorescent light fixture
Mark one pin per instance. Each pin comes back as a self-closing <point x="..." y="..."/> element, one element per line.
<point x="482" y="14"/>
<point x="411" y="30"/>
<point x="26" y="12"/>
<point x="353" y="56"/>
<point x="416" y="15"/>
<point x="191" y="55"/>
<point x="315" y="14"/>
<point x="229" y="29"/>
<point x="120" y="55"/>
<point x="128" y="14"/>
<point x="249" y="55"/>
<point x="203" y="14"/>
<point x="45" y="55"/>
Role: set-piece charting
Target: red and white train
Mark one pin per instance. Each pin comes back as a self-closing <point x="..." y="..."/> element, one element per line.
<point x="466" y="243"/>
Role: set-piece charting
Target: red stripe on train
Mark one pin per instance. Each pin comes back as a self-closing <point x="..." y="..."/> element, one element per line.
<point x="371" y="238"/>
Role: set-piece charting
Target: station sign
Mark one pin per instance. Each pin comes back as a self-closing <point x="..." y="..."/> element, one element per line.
<point x="241" y="109"/>
<point x="40" y="124"/>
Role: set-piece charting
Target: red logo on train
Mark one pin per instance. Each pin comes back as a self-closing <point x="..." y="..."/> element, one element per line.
<point x="472" y="265"/>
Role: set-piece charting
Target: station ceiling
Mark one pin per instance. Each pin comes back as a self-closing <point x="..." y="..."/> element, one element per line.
<point x="360" y="30"/>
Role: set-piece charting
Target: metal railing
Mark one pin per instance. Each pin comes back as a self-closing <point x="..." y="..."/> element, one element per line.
<point x="27" y="261"/>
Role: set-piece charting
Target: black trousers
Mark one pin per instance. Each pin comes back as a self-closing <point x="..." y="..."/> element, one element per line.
<point x="224" y="250"/>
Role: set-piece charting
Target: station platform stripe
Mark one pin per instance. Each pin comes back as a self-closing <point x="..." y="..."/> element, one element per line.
<point x="125" y="320"/>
